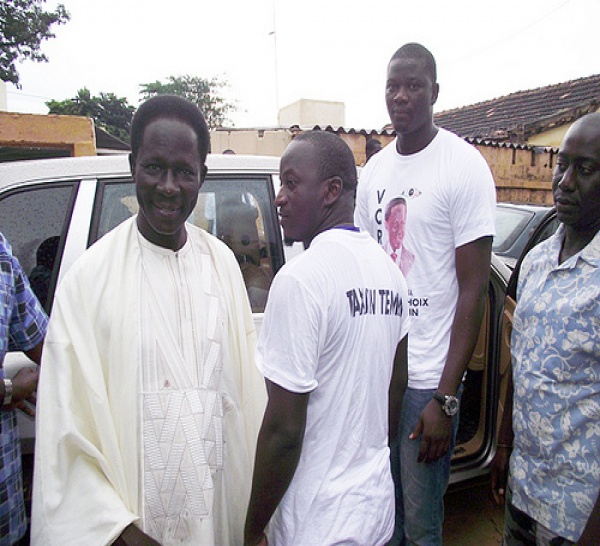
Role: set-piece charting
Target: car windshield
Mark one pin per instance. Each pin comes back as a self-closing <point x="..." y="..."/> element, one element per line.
<point x="510" y="222"/>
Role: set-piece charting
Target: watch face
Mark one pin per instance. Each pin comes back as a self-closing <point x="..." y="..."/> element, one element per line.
<point x="451" y="405"/>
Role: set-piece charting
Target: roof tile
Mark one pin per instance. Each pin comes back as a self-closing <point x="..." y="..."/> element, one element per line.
<point x="517" y="116"/>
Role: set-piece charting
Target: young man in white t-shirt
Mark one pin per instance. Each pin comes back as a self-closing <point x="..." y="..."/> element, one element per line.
<point x="450" y="207"/>
<point x="333" y="351"/>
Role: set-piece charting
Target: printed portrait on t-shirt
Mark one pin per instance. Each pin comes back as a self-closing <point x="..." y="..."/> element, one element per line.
<point x="395" y="215"/>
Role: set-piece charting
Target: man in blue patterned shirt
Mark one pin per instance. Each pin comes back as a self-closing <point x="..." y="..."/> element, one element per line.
<point x="553" y="495"/>
<point x="22" y="328"/>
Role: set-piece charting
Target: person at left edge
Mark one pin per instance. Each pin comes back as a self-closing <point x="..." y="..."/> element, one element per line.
<point x="146" y="404"/>
<point x="23" y="326"/>
<point x="333" y="351"/>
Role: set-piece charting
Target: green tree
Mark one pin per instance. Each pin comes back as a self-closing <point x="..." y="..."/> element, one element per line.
<point x="23" y="26"/>
<point x="205" y="93"/>
<point x="109" y="112"/>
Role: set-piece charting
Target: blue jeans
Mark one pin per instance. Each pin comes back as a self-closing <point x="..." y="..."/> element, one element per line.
<point x="420" y="487"/>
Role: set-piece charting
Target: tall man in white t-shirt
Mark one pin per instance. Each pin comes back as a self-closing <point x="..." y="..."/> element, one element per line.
<point x="450" y="197"/>
<point x="332" y="347"/>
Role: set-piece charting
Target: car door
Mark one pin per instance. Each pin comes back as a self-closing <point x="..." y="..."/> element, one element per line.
<point x="545" y="229"/>
<point x="35" y="220"/>
<point x="475" y="437"/>
<point x="486" y="379"/>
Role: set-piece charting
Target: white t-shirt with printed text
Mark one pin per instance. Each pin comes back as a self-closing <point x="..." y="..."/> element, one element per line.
<point x="333" y="320"/>
<point x="451" y="201"/>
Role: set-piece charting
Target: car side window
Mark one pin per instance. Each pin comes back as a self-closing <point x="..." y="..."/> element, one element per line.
<point x="115" y="202"/>
<point x="240" y="212"/>
<point x="35" y="221"/>
<point x="236" y="209"/>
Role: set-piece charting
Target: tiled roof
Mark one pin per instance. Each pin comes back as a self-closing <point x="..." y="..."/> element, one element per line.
<point x="518" y="116"/>
<point x="107" y="141"/>
<point x="386" y="131"/>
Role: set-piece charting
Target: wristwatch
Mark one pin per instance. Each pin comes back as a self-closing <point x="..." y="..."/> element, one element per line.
<point x="450" y="404"/>
<point x="8" y="388"/>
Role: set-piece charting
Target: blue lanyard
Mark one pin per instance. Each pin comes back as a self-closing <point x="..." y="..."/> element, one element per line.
<point x="347" y="228"/>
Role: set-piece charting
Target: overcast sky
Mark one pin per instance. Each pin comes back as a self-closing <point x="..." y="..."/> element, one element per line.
<point x="334" y="50"/>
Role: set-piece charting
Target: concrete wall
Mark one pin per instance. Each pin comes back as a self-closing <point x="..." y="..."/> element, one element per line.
<point x="250" y="141"/>
<point x="273" y="142"/>
<point x="525" y="175"/>
<point x="308" y="113"/>
<point x="521" y="175"/>
<point x="72" y="133"/>
<point x="553" y="137"/>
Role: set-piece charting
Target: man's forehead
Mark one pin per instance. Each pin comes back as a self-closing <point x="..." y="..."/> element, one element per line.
<point x="583" y="138"/>
<point x="401" y="64"/>
<point x="299" y="150"/>
<point x="583" y="144"/>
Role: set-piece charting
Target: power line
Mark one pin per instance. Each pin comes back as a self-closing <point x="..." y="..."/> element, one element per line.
<point x="20" y="94"/>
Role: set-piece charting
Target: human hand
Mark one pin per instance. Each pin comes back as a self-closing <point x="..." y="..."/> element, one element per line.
<point x="499" y="474"/>
<point x="435" y="429"/>
<point x="24" y="384"/>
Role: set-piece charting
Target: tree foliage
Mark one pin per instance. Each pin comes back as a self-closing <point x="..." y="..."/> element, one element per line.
<point x="111" y="113"/>
<point x="23" y="26"/>
<point x="206" y="94"/>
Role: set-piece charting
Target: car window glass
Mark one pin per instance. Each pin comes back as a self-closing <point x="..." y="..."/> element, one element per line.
<point x="237" y="210"/>
<point x="117" y="203"/>
<point x="548" y="230"/>
<point x="509" y="224"/>
<point x="35" y="220"/>
<point x="240" y="212"/>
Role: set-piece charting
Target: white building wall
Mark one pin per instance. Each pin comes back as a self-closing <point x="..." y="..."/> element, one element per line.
<point x="307" y="113"/>
<point x="3" y="103"/>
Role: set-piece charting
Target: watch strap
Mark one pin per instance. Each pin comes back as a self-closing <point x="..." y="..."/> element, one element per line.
<point x="439" y="397"/>
<point x="449" y="403"/>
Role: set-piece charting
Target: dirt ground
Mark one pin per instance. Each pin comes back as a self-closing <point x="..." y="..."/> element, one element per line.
<point x="471" y="516"/>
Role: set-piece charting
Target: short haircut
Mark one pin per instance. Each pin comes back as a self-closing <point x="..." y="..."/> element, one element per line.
<point x="372" y="145"/>
<point x="169" y="107"/>
<point x="393" y="203"/>
<point x="417" y="51"/>
<point x="334" y="157"/>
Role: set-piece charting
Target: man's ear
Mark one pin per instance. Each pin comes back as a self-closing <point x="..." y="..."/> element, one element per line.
<point x="334" y="187"/>
<point x="203" y="171"/>
<point x="132" y="164"/>
<point x="435" y="93"/>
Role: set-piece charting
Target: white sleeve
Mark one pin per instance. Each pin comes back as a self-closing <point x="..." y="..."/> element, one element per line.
<point x="473" y="202"/>
<point x="291" y="336"/>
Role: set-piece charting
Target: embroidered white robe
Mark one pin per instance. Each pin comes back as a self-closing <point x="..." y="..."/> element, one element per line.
<point x="96" y="409"/>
